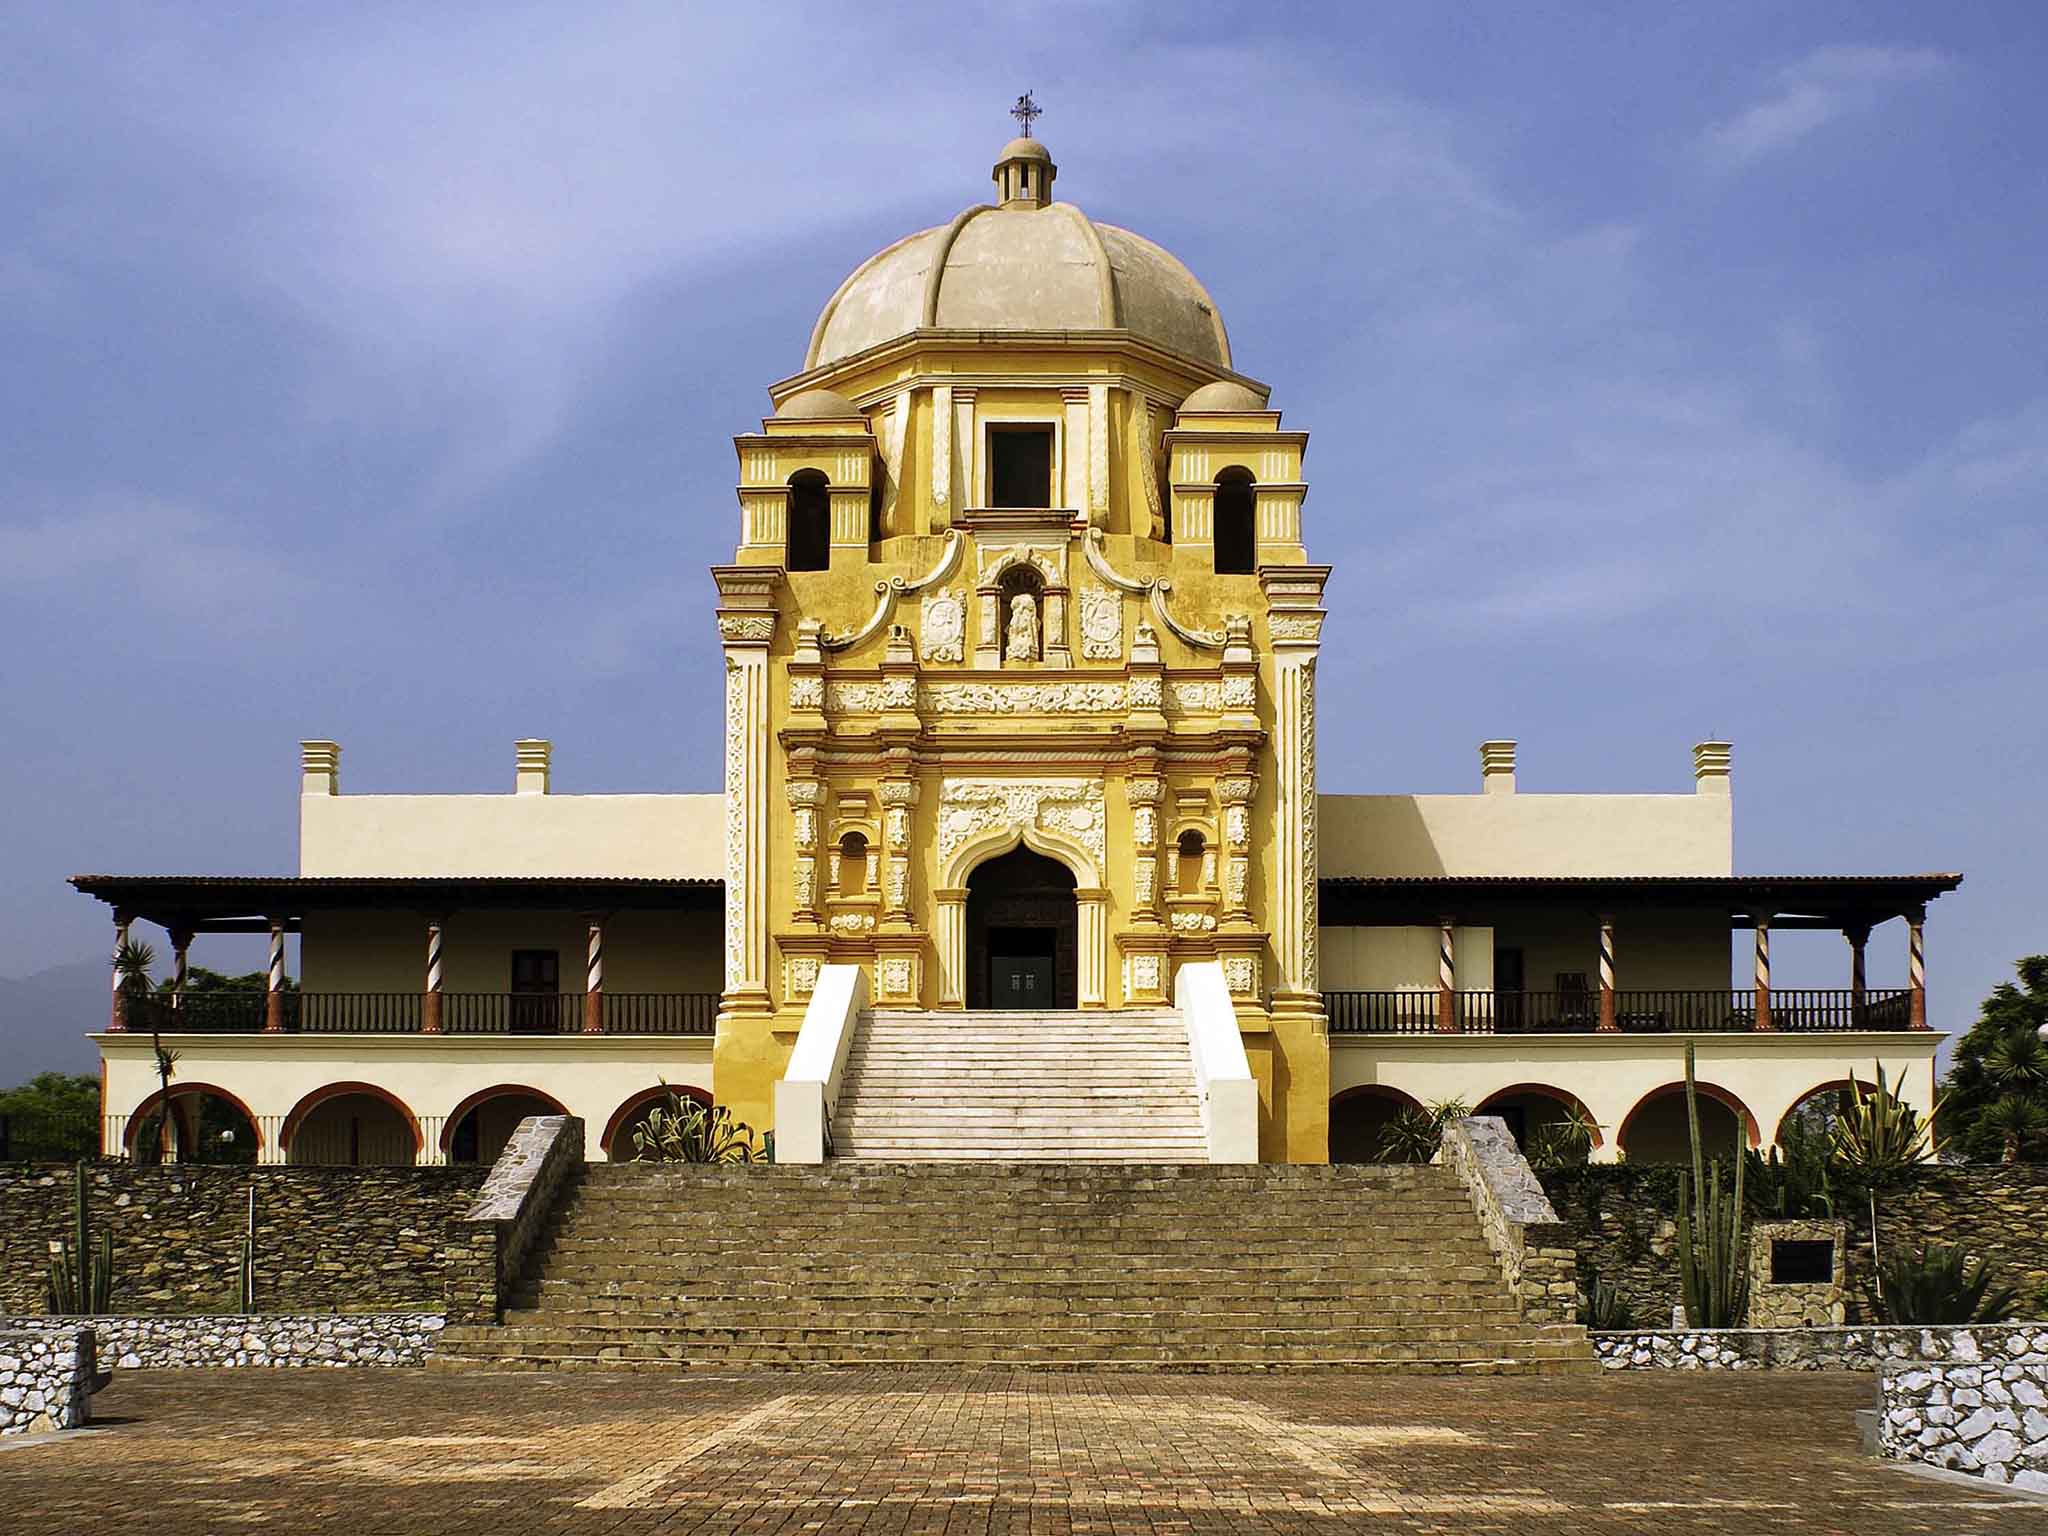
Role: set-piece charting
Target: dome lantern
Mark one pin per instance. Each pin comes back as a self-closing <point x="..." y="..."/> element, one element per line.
<point x="1023" y="174"/>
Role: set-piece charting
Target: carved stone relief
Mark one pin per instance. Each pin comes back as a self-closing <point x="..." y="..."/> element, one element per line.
<point x="942" y="629"/>
<point x="1102" y="624"/>
<point x="969" y="808"/>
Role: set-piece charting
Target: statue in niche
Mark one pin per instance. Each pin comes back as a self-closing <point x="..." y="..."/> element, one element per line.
<point x="1020" y="636"/>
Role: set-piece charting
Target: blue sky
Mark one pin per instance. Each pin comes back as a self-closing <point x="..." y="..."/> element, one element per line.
<point x="370" y="371"/>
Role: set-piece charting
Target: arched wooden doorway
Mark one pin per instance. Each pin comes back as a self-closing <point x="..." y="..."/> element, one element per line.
<point x="1022" y="933"/>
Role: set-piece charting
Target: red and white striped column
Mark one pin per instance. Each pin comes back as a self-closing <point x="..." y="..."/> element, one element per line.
<point x="1763" y="973"/>
<point x="273" y="999"/>
<point x="181" y="967"/>
<point x="1446" y="978"/>
<point x="1916" y="967"/>
<point x="593" y="980"/>
<point x="117" y="1016"/>
<point x="1608" y="1021"/>
<point x="430" y="1000"/>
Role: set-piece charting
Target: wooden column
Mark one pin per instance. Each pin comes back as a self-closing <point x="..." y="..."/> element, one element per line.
<point x="1858" y="935"/>
<point x="1763" y="972"/>
<point x="273" y="998"/>
<point x="1607" y="1019"/>
<point x="593" y="979"/>
<point x="1446" y="979"/>
<point x="1916" y="967"/>
<point x="117" y="1017"/>
<point x="430" y="1000"/>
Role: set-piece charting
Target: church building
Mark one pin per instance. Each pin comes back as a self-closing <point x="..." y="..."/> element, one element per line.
<point x="1021" y="848"/>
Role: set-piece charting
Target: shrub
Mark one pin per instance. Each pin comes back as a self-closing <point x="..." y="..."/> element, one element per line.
<point x="1940" y="1284"/>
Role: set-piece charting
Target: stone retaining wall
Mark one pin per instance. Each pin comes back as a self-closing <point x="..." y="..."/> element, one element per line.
<point x="1989" y="1419"/>
<point x="365" y="1239"/>
<point x="159" y="1343"/>
<point x="1817" y="1349"/>
<point x="1522" y="1230"/>
<point x="491" y="1243"/>
<point x="1622" y="1220"/>
<point x="46" y="1372"/>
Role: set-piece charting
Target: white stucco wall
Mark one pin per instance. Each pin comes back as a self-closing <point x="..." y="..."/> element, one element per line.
<point x="1611" y="1074"/>
<point x="1527" y="835"/>
<point x="1401" y="959"/>
<point x="591" y="1076"/>
<point x="637" y="836"/>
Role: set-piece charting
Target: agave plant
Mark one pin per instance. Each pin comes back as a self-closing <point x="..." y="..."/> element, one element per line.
<point x="1414" y="1135"/>
<point x="1940" y="1284"/>
<point x="684" y="1131"/>
<point x="1877" y="1134"/>
<point x="1563" y="1143"/>
<point x="1603" y="1306"/>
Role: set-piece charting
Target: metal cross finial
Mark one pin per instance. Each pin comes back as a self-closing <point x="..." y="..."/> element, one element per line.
<point x="1025" y="110"/>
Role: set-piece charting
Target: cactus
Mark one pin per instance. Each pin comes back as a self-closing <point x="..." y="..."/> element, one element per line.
<point x="1713" y="1261"/>
<point x="81" y="1282"/>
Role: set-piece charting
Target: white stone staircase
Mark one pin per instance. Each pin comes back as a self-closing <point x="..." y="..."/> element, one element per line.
<point x="1044" y="1087"/>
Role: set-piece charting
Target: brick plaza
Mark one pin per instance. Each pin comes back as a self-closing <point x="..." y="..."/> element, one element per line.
<point x="400" y="1451"/>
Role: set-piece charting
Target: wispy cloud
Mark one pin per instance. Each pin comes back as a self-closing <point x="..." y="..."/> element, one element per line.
<point x="1827" y="84"/>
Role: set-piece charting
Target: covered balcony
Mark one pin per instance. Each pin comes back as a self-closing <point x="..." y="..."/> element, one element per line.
<point x="1610" y="955"/>
<point x="457" y="957"/>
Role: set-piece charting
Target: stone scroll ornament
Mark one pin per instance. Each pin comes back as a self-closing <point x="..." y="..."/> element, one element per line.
<point x="1156" y="591"/>
<point x="888" y="592"/>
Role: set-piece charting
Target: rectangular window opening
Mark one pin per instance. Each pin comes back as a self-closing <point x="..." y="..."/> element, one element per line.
<point x="1020" y="466"/>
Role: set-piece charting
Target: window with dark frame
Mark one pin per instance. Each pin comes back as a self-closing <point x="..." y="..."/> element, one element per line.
<point x="1020" y="466"/>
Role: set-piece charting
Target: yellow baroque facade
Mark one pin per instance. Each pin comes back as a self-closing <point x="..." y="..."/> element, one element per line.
<point x="1027" y="574"/>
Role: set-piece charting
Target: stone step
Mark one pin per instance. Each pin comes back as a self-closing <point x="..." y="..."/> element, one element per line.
<point x="574" y="1361"/>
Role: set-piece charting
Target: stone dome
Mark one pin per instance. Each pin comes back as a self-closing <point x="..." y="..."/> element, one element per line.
<point x="1224" y="395"/>
<point x="816" y="405"/>
<point x="1030" y="264"/>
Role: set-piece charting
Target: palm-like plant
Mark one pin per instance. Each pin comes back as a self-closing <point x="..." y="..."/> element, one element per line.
<point x="2018" y="1062"/>
<point x="2018" y="1123"/>
<point x="1563" y="1143"/>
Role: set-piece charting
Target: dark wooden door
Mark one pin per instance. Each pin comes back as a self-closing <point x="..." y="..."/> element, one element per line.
<point x="536" y="990"/>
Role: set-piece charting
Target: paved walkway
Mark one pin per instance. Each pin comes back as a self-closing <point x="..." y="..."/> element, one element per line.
<point x="401" y="1451"/>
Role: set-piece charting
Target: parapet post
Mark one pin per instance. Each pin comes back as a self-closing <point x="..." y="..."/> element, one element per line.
<point x="531" y="773"/>
<point x="319" y="767"/>
<point x="1497" y="767"/>
<point x="1711" y="766"/>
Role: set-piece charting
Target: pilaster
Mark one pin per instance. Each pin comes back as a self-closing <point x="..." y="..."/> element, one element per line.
<point x="746" y="625"/>
<point x="1294" y="628"/>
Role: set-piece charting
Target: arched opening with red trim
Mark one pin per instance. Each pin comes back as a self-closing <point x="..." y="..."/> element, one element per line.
<point x="477" y="1129"/>
<point x="352" y="1125"/>
<point x="1359" y="1117"/>
<point x="1820" y="1105"/>
<point x="618" y="1131"/>
<point x="208" y="1125"/>
<point x="1529" y="1108"/>
<point x="1655" y="1130"/>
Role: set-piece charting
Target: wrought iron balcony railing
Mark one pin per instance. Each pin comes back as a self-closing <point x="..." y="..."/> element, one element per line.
<point x="404" y="1013"/>
<point x="1794" y="1010"/>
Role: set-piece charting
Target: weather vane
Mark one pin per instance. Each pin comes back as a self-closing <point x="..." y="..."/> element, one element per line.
<point x="1025" y="110"/>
